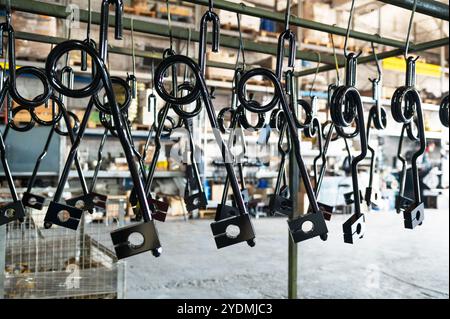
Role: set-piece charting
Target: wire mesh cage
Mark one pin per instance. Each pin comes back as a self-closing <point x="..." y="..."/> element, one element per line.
<point x="60" y="262"/>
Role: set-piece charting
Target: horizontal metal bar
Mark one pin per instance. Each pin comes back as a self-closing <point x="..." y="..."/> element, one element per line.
<point x="430" y="8"/>
<point x="111" y="49"/>
<point x="60" y="11"/>
<point x="56" y="40"/>
<point x="299" y="22"/>
<point x="383" y="55"/>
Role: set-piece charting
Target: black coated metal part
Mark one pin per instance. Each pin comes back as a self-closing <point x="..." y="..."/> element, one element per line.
<point x="242" y="221"/>
<point x="406" y="108"/>
<point x="346" y="107"/>
<point x="103" y="77"/>
<point x="318" y="229"/>
<point x="6" y="27"/>
<point x="279" y="203"/>
<point x="443" y="111"/>
<point x="13" y="210"/>
<point x="223" y="210"/>
<point x="124" y="248"/>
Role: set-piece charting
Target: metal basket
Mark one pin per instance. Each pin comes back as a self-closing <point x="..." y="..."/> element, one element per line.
<point x="59" y="262"/>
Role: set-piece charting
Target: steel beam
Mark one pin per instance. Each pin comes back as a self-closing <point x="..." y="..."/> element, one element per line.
<point x="299" y="22"/>
<point x="383" y="55"/>
<point x="62" y="12"/>
<point x="112" y="49"/>
<point x="430" y="8"/>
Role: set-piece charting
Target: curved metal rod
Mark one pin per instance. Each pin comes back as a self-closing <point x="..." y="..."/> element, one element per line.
<point x="413" y="11"/>
<point x="199" y="89"/>
<point x="212" y="17"/>
<point x="103" y="75"/>
<point x="6" y="27"/>
<point x="443" y="111"/>
<point x="280" y="97"/>
<point x="349" y="25"/>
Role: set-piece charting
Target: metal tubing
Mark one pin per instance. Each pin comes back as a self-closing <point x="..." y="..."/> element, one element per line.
<point x="388" y="54"/>
<point x="430" y="8"/>
<point x="298" y="22"/>
<point x="60" y="11"/>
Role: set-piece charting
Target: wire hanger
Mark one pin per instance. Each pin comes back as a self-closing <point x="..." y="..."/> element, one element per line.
<point x="132" y="78"/>
<point x="169" y="21"/>
<point x="408" y="35"/>
<point x="349" y="25"/>
<point x="336" y="63"/>
<point x="319" y="60"/>
<point x="377" y="62"/>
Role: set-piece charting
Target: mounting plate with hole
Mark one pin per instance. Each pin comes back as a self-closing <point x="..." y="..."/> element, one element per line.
<point x="33" y="201"/>
<point x="196" y="201"/>
<point x="354" y="228"/>
<point x="414" y="216"/>
<point x="126" y="241"/>
<point x="299" y="232"/>
<point x="222" y="238"/>
<point x="63" y="215"/>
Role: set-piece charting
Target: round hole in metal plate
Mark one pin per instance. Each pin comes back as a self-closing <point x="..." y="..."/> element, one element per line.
<point x="196" y="201"/>
<point x="136" y="240"/>
<point x="10" y="212"/>
<point x="418" y="215"/>
<point x="307" y="227"/>
<point x="63" y="216"/>
<point x="232" y="231"/>
<point x="32" y="201"/>
<point x="359" y="229"/>
<point x="79" y="204"/>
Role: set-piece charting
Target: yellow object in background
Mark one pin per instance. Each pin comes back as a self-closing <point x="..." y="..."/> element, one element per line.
<point x="422" y="68"/>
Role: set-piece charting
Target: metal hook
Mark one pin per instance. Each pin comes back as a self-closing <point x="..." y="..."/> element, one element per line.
<point x="287" y="16"/>
<point x="169" y="21"/>
<point x="241" y="49"/>
<point x="350" y="19"/>
<point x="338" y="80"/>
<point x="413" y="11"/>
<point x="132" y="78"/>
<point x="104" y="25"/>
<point x="377" y="61"/>
<point x="319" y="60"/>
<point x="212" y="17"/>
<point x="89" y="24"/>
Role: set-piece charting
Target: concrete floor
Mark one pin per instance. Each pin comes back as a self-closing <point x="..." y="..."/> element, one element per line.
<point x="390" y="262"/>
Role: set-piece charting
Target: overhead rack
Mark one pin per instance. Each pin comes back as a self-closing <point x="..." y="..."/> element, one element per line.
<point x="427" y="7"/>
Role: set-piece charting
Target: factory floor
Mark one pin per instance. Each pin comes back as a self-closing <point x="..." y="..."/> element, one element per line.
<point x="390" y="262"/>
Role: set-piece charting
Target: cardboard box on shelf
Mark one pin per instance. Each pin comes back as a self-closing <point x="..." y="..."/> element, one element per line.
<point x="36" y="24"/>
<point x="228" y="19"/>
<point x="177" y="12"/>
<point x="222" y="56"/>
<point x="319" y="12"/>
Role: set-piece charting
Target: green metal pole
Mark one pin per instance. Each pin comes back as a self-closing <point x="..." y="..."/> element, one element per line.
<point x="299" y="22"/>
<point x="388" y="54"/>
<point x="430" y="8"/>
<point x="296" y="197"/>
<point x="112" y="49"/>
<point x="60" y="11"/>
